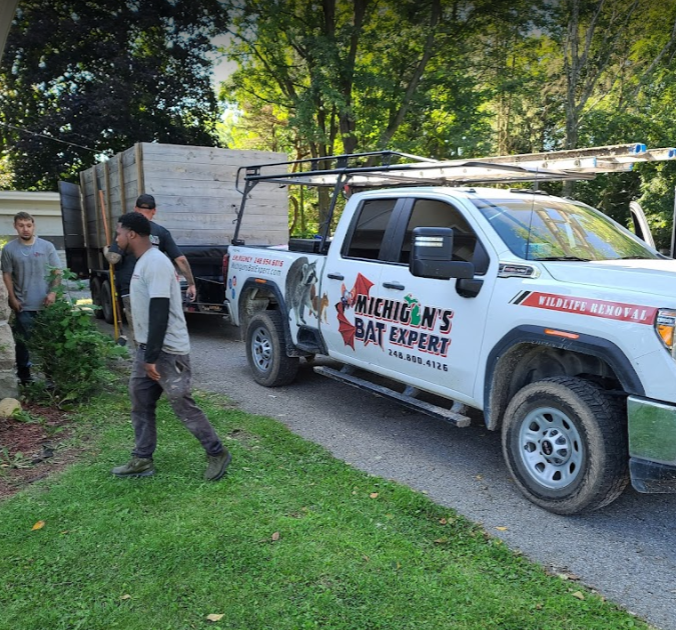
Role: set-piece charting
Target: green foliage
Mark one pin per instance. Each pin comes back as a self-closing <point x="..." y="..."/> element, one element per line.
<point x="103" y="76"/>
<point x="290" y="539"/>
<point x="70" y="350"/>
<point x="17" y="460"/>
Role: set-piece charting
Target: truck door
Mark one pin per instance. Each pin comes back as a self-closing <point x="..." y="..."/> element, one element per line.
<point x="352" y="273"/>
<point x="433" y="335"/>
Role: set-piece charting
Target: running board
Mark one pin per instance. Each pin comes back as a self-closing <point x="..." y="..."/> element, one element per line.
<point x="454" y="418"/>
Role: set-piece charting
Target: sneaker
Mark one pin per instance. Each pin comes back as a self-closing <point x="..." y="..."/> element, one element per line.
<point x="217" y="465"/>
<point x="136" y="467"/>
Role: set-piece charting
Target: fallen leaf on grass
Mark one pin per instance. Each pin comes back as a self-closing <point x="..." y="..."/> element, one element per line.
<point x="568" y="576"/>
<point x="374" y="495"/>
<point x="442" y="521"/>
<point x="441" y="541"/>
<point x="126" y="596"/>
<point x="215" y="617"/>
<point x="275" y="536"/>
<point x="38" y="525"/>
<point x="579" y="595"/>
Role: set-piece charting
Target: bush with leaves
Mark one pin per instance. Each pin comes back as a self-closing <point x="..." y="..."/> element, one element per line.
<point x="69" y="349"/>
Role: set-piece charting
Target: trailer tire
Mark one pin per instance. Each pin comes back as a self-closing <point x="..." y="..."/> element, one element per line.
<point x="95" y="290"/>
<point x="106" y="302"/>
<point x="564" y="440"/>
<point x="265" y="350"/>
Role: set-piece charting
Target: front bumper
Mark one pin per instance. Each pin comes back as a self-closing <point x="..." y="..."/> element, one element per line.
<point x="652" y="445"/>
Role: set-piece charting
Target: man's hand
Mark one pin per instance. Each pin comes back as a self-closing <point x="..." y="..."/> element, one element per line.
<point x="112" y="257"/>
<point x="15" y="305"/>
<point x="191" y="292"/>
<point x="151" y="371"/>
<point x="50" y="299"/>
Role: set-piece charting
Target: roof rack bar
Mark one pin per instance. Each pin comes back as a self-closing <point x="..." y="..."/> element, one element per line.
<point x="358" y="170"/>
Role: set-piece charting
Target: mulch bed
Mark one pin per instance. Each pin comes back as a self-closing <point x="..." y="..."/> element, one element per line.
<point x="32" y="450"/>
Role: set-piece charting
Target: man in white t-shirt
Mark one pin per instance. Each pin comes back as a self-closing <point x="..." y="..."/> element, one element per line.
<point x="162" y="361"/>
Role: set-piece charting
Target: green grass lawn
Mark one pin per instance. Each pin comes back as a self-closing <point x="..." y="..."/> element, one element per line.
<point x="291" y="538"/>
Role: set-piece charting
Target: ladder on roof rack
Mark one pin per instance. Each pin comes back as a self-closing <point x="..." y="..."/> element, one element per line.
<point x="397" y="169"/>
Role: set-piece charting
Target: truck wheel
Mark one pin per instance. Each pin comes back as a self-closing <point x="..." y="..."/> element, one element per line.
<point x="106" y="302"/>
<point x="95" y="290"/>
<point x="265" y="350"/>
<point x="565" y="443"/>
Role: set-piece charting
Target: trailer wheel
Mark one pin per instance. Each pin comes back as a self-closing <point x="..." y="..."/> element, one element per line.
<point x="95" y="290"/>
<point x="565" y="443"/>
<point x="265" y="350"/>
<point x="106" y="302"/>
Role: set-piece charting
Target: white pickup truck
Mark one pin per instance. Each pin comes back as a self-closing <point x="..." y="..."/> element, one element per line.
<point x="541" y="312"/>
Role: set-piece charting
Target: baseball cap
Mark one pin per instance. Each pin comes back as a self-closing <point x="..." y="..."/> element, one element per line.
<point x="146" y="201"/>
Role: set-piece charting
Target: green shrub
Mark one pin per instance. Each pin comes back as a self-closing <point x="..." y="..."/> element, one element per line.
<point x="69" y="349"/>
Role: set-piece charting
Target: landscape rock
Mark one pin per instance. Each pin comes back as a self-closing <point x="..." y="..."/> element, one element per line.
<point x="8" y="406"/>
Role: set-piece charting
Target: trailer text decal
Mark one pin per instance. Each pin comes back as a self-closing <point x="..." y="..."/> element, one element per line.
<point x="406" y="323"/>
<point x="594" y="308"/>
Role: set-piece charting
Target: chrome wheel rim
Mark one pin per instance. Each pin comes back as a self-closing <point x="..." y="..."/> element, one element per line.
<point x="261" y="349"/>
<point x="550" y="448"/>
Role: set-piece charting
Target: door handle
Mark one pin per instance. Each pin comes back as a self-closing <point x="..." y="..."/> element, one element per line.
<point x="394" y="285"/>
<point x="335" y="276"/>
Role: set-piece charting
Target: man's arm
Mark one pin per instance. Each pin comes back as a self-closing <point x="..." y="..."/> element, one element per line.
<point x="158" y="320"/>
<point x="184" y="267"/>
<point x="14" y="304"/>
<point x="55" y="273"/>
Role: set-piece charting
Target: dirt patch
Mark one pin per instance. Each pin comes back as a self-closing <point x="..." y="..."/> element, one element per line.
<point x="33" y="447"/>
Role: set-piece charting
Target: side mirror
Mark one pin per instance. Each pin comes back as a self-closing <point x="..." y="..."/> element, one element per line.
<point x="432" y="255"/>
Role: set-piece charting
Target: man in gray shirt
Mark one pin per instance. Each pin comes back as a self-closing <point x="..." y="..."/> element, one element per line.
<point x="162" y="361"/>
<point x="25" y="269"/>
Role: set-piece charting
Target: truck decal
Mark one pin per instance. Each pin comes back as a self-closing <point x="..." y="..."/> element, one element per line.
<point x="405" y="323"/>
<point x="257" y="265"/>
<point x="593" y="308"/>
<point x="300" y="289"/>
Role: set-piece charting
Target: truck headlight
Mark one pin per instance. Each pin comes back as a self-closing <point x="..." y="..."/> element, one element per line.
<point x="665" y="323"/>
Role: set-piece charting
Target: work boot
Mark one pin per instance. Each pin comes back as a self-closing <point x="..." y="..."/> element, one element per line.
<point x="217" y="465"/>
<point x="136" y="467"/>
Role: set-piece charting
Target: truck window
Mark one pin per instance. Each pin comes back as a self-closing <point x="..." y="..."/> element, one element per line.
<point x="434" y="213"/>
<point x="368" y="230"/>
<point x="553" y="229"/>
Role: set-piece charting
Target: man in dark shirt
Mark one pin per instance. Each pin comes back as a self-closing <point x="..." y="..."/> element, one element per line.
<point x="161" y="238"/>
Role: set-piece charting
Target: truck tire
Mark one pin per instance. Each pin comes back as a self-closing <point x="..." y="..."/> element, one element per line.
<point x="106" y="302"/>
<point x="265" y="350"/>
<point x="565" y="443"/>
<point x="95" y="289"/>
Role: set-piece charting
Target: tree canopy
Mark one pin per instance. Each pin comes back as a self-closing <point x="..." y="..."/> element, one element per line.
<point x="82" y="79"/>
<point x="461" y="78"/>
<point x="439" y="78"/>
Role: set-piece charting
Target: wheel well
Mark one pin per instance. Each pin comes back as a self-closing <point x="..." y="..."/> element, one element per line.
<point x="529" y="362"/>
<point x="253" y="300"/>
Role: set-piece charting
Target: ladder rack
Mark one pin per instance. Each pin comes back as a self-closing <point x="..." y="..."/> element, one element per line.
<point x="357" y="170"/>
<point x="381" y="169"/>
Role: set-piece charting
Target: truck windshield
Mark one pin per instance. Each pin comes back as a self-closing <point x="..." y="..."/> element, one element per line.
<point x="554" y="229"/>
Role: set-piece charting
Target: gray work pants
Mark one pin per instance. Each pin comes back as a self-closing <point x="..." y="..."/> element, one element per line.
<point x="174" y="381"/>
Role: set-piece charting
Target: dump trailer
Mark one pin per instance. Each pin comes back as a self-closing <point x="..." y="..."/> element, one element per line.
<point x="197" y="201"/>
